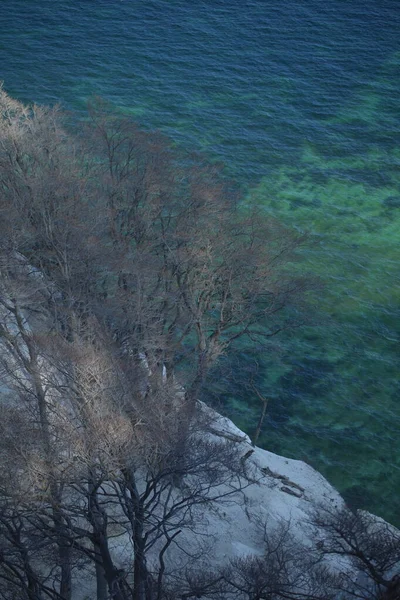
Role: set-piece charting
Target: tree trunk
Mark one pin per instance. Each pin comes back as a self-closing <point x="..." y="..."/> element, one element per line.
<point x="101" y="582"/>
<point x="260" y="422"/>
<point x="135" y="512"/>
<point x="107" y="570"/>
<point x="64" y="550"/>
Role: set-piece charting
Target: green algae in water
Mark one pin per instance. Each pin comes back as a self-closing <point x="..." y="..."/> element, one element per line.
<point x="341" y="376"/>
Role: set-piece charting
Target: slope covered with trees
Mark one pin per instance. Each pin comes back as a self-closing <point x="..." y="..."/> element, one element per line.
<point x="127" y="270"/>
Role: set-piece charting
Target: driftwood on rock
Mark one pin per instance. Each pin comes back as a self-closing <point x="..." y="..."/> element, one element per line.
<point x="285" y="480"/>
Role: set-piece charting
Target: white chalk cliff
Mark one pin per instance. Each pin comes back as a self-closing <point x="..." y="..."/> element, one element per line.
<point x="284" y="491"/>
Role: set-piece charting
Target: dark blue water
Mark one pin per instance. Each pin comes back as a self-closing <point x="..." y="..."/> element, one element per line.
<point x="300" y="100"/>
<point x="251" y="81"/>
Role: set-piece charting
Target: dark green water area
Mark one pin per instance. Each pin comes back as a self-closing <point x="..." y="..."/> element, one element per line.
<point x="300" y="100"/>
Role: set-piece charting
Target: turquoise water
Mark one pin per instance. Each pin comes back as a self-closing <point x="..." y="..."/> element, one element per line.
<point x="300" y="100"/>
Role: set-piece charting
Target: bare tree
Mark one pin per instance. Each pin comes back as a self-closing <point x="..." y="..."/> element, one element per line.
<point x="133" y="480"/>
<point x="23" y="373"/>
<point x="370" y="544"/>
<point x="286" y="570"/>
<point x="193" y="272"/>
